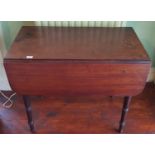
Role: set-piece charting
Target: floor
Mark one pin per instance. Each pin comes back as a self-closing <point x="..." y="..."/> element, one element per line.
<point x="95" y="114"/>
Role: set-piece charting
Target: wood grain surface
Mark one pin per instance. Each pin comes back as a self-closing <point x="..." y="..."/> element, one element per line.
<point x="77" y="43"/>
<point x="77" y="61"/>
<point x="62" y="78"/>
<point x="81" y="115"/>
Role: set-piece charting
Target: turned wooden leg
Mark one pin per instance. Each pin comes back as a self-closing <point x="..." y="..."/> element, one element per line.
<point x="27" y="104"/>
<point x="125" y="109"/>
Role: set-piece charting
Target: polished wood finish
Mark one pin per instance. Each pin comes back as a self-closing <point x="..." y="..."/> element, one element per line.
<point x="77" y="61"/>
<point x="83" y="43"/>
<point x="27" y="104"/>
<point x="81" y="115"/>
<point x="125" y="109"/>
<point x="76" y="78"/>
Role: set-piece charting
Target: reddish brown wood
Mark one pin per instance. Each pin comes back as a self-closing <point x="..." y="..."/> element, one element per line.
<point x="87" y="114"/>
<point x="81" y="78"/>
<point x="77" y="43"/>
<point x="125" y="109"/>
<point x="27" y="104"/>
<point x="77" y="61"/>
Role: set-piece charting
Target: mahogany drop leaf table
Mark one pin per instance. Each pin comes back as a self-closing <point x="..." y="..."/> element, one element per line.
<point x="77" y="61"/>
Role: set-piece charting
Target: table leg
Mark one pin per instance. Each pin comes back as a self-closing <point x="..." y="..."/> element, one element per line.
<point x="125" y="109"/>
<point x="27" y="104"/>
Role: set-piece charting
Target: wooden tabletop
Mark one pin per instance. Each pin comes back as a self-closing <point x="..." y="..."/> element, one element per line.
<point x="75" y="43"/>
